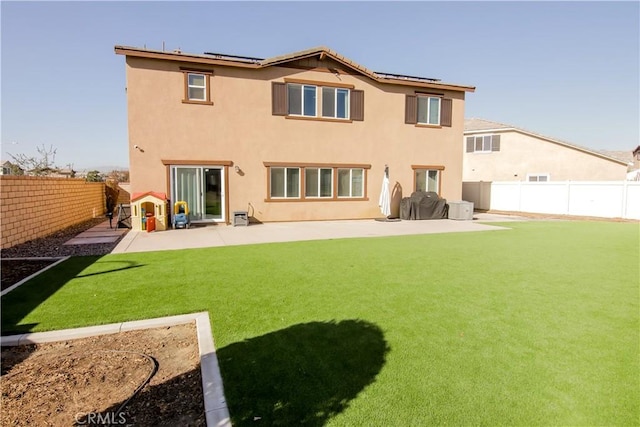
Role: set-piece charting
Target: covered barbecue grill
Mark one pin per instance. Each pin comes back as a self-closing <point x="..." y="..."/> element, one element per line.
<point x="423" y="205"/>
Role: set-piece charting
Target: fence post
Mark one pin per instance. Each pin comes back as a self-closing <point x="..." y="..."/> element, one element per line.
<point x="625" y="189"/>
<point x="568" y="211"/>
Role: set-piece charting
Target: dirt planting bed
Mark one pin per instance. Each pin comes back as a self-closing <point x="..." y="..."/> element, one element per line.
<point x="93" y="381"/>
<point x="100" y="380"/>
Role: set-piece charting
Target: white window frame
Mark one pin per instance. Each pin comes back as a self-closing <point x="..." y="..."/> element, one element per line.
<point x="302" y="87"/>
<point x="319" y="196"/>
<point x="351" y="195"/>
<point x="286" y="189"/>
<point x="203" y="87"/>
<point x="428" y="98"/>
<point x="486" y="143"/>
<point x="537" y="176"/>
<point x="426" y="183"/>
<point x="335" y="102"/>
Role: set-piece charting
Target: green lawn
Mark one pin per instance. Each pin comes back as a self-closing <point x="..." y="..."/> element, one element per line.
<point x="538" y="325"/>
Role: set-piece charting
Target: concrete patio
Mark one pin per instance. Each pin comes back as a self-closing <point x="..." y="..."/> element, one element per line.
<point x="226" y="235"/>
<point x="101" y="233"/>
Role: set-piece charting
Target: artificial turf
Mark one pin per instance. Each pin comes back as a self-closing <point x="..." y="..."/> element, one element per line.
<point x="535" y="325"/>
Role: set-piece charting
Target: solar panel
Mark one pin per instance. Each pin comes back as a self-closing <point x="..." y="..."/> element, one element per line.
<point x="234" y="57"/>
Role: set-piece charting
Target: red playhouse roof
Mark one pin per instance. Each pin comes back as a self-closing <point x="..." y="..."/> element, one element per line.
<point x="161" y="196"/>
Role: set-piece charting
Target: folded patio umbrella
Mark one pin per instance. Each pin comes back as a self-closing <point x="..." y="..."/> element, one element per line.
<point x="385" y="196"/>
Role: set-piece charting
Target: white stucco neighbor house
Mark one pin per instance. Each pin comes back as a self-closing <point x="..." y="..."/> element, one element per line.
<point x="499" y="152"/>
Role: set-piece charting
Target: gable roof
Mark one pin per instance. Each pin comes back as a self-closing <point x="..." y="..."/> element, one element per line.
<point x="320" y="51"/>
<point x="626" y="155"/>
<point x="8" y="164"/>
<point x="257" y="63"/>
<point x="474" y="126"/>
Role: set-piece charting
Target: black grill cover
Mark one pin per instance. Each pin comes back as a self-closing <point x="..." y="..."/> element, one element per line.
<point x="423" y="205"/>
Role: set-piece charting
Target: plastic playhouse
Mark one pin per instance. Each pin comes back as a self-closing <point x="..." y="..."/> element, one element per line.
<point x="149" y="211"/>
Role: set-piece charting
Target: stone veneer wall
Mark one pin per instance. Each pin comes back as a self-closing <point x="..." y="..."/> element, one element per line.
<point x="33" y="207"/>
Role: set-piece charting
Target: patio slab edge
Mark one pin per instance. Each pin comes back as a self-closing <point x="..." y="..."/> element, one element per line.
<point x="215" y="406"/>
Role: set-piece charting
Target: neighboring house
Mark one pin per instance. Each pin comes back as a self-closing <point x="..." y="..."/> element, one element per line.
<point x="63" y="173"/>
<point x="498" y="152"/>
<point x="9" y="168"/>
<point x="634" y="166"/>
<point x="304" y="136"/>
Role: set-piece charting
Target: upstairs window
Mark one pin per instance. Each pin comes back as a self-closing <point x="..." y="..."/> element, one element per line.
<point x="197" y="88"/>
<point x="335" y="102"/>
<point x="483" y="144"/>
<point x="428" y="110"/>
<point x="301" y="99"/>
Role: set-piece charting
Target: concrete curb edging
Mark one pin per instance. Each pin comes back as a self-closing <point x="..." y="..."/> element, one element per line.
<point x="215" y="405"/>
<point x="12" y="287"/>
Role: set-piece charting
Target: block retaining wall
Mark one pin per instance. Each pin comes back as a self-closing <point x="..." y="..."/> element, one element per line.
<point x="33" y="207"/>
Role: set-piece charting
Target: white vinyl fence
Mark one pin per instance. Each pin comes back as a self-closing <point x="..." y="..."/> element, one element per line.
<point x="606" y="199"/>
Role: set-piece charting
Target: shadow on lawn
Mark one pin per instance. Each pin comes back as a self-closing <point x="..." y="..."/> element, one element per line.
<point x="304" y="374"/>
<point x="17" y="304"/>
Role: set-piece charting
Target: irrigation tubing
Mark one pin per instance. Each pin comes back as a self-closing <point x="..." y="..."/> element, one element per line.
<point x="154" y="370"/>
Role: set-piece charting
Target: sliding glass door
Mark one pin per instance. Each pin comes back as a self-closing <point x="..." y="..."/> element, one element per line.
<point x="212" y="193"/>
<point x="202" y="187"/>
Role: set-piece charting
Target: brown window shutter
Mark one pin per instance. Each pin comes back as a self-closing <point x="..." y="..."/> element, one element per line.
<point x="411" y="110"/>
<point x="446" y="107"/>
<point x="470" y="144"/>
<point x="495" y="143"/>
<point x="278" y="99"/>
<point x="357" y="105"/>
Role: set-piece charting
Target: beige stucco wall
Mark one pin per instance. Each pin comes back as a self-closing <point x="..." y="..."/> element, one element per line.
<point x="240" y="128"/>
<point x="521" y="154"/>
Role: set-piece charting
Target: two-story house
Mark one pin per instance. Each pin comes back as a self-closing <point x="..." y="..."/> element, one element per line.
<point x="499" y="152"/>
<point x="304" y="136"/>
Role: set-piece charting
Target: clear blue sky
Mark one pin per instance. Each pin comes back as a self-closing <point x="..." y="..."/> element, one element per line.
<point x="567" y="70"/>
